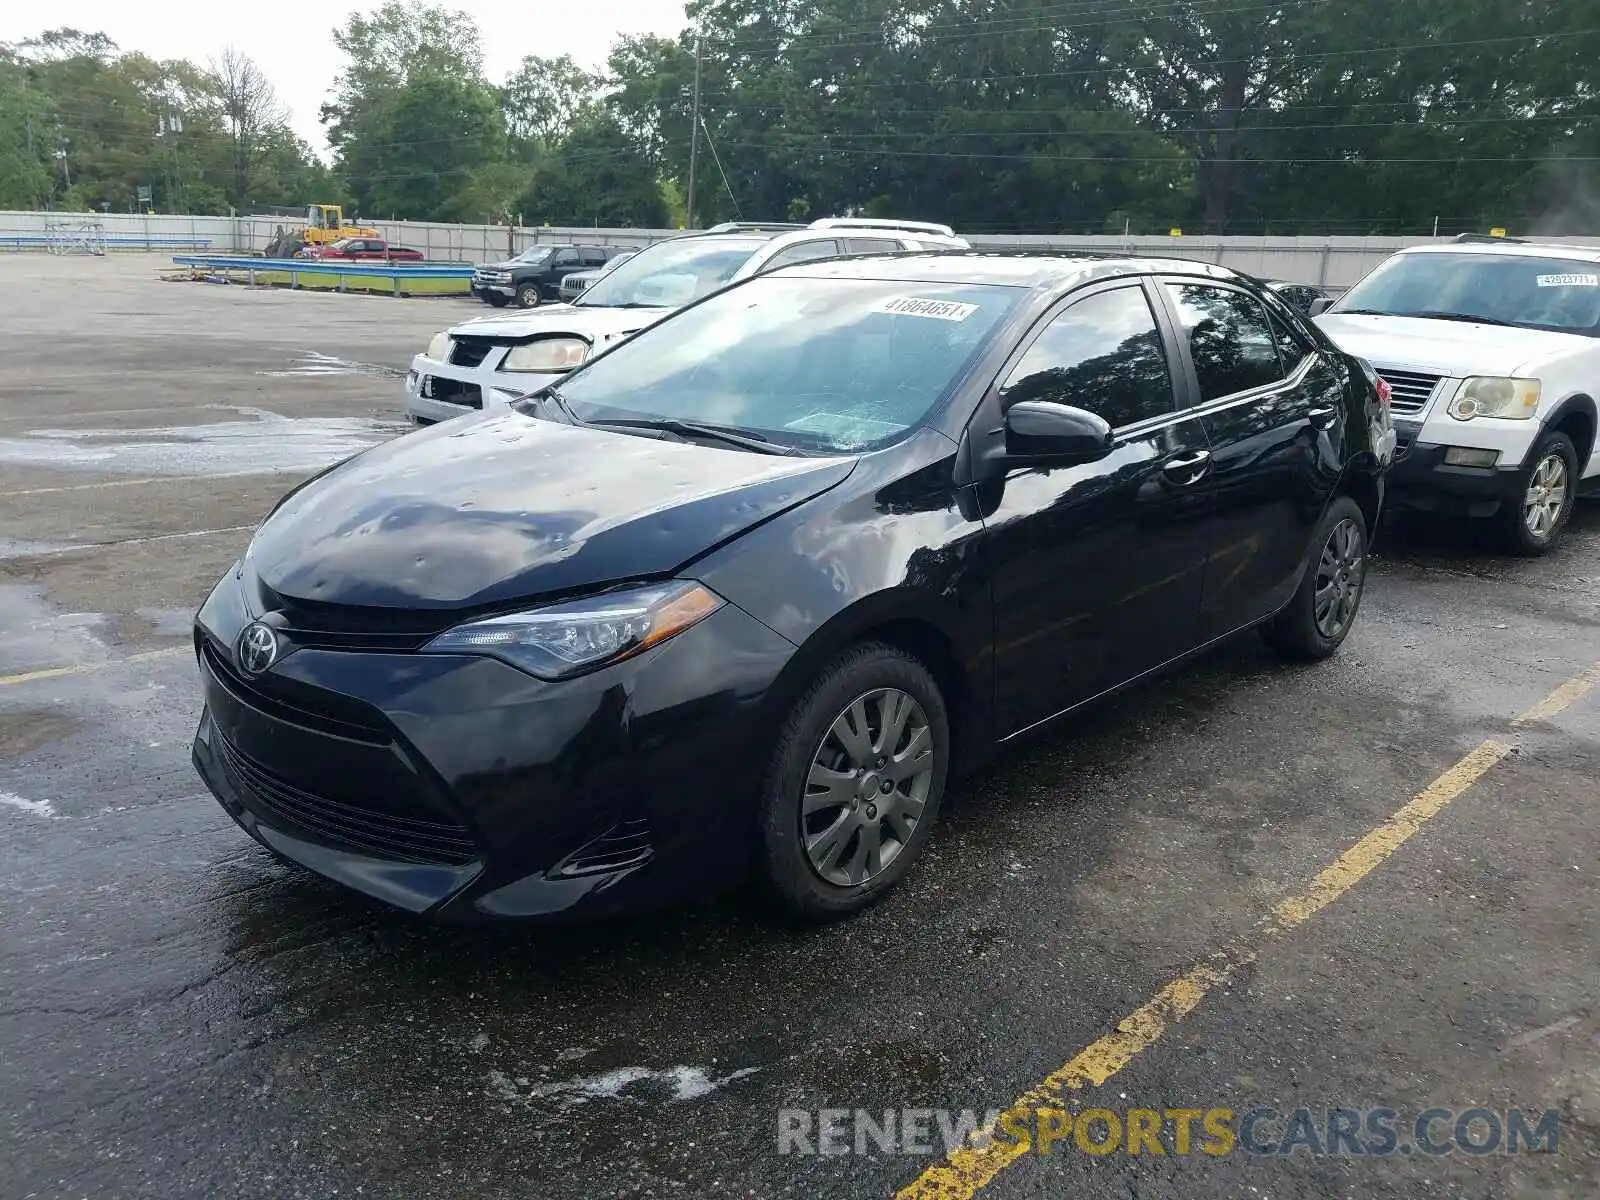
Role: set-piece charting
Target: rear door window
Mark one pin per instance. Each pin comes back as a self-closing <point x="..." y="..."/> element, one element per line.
<point x="860" y="245"/>
<point x="803" y="252"/>
<point x="1231" y="341"/>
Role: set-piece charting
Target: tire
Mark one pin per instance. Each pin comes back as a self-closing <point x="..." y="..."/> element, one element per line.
<point x="528" y="295"/>
<point x="1340" y="547"/>
<point x="495" y="300"/>
<point x="1553" y="457"/>
<point x="868" y="675"/>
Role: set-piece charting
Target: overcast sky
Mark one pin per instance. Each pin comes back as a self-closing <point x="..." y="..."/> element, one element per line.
<point x="293" y="41"/>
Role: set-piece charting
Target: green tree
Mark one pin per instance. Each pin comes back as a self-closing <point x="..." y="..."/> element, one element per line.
<point x="411" y="118"/>
<point x="545" y="97"/>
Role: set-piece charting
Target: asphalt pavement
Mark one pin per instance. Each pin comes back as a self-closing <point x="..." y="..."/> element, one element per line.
<point x="1371" y="883"/>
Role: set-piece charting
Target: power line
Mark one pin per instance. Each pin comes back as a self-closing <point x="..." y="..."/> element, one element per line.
<point x="1174" y="157"/>
<point x="1217" y="62"/>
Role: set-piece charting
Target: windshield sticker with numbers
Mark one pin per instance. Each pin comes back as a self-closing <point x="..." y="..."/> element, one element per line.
<point x="916" y="306"/>
<point x="1569" y="281"/>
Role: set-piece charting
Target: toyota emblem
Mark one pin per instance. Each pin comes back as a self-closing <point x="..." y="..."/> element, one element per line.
<point x="258" y="648"/>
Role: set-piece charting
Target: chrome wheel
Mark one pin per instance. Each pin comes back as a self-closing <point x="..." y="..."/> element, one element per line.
<point x="1546" y="497"/>
<point x="867" y="786"/>
<point x="1340" y="575"/>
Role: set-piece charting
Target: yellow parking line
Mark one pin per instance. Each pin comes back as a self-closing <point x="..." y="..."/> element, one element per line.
<point x="1564" y="695"/>
<point x="86" y="668"/>
<point x="970" y="1168"/>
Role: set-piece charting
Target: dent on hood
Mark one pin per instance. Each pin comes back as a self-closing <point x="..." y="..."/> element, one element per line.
<point x="511" y="507"/>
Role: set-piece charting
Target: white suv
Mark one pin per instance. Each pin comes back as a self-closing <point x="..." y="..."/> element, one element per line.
<point x="1491" y="348"/>
<point x="491" y="360"/>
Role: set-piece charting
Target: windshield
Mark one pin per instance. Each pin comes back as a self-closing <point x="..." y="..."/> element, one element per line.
<point x="826" y="365"/>
<point x="671" y="274"/>
<point x="341" y="244"/>
<point x="1535" y="293"/>
<point x="533" y="254"/>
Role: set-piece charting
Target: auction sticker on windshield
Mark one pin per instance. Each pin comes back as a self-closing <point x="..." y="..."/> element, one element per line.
<point x="917" y="306"/>
<point x="1569" y="281"/>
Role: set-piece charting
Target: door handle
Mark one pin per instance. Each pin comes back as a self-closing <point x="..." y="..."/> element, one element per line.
<point x="1188" y="468"/>
<point x="1321" y="418"/>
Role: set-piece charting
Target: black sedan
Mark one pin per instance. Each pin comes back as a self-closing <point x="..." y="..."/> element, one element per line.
<point x="741" y="592"/>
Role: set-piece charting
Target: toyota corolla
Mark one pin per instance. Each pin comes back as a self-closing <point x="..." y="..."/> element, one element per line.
<point x="738" y="594"/>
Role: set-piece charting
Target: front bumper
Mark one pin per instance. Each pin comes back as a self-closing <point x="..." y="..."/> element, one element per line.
<point x="463" y="788"/>
<point x="437" y="391"/>
<point x="1421" y="481"/>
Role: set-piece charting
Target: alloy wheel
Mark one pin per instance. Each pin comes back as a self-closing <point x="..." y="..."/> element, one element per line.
<point x="1339" y="579"/>
<point x="867" y="787"/>
<point x="1546" y="497"/>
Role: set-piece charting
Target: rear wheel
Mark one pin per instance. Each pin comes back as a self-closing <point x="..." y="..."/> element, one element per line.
<point x="1319" y="617"/>
<point x="1532" y="524"/>
<point x="854" y="783"/>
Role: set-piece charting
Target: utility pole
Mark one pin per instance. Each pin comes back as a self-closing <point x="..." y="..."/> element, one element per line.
<point x="694" y="137"/>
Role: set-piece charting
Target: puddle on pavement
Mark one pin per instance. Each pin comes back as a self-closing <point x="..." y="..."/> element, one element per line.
<point x="312" y="363"/>
<point x="260" y="442"/>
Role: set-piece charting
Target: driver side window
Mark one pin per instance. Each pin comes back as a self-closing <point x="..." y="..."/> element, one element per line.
<point x="1103" y="354"/>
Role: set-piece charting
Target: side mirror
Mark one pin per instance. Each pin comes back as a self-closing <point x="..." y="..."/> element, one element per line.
<point x="1043" y="432"/>
<point x="1319" y="306"/>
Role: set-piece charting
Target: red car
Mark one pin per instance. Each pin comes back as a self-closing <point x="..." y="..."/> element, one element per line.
<point x="365" y="249"/>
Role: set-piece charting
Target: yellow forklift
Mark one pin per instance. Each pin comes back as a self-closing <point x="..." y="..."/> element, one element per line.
<point x="325" y="224"/>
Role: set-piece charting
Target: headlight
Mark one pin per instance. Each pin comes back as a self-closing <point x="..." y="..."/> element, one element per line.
<point x="1493" y="396"/>
<point x="569" y="639"/>
<point x="439" y="347"/>
<point x="547" y="354"/>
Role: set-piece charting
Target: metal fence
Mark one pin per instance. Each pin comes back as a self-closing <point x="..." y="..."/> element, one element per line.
<point x="1334" y="262"/>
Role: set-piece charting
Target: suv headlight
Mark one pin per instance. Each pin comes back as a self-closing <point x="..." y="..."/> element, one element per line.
<point x="1495" y="396"/>
<point x="568" y="639"/>
<point x="439" y="346"/>
<point x="547" y="354"/>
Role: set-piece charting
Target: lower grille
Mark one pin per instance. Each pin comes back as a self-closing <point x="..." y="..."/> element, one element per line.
<point x="1410" y="390"/>
<point x="381" y="834"/>
<point x="452" y="391"/>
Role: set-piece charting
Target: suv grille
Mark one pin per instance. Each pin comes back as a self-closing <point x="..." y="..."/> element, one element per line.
<point x="372" y="831"/>
<point x="1411" y="389"/>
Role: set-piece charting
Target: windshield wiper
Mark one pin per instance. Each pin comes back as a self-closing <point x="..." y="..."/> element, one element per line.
<point x="1360" y="312"/>
<point x="690" y="430"/>
<point x="1434" y="315"/>
<point x="559" y="402"/>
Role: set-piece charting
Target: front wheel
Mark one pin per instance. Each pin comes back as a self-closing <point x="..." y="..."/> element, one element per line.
<point x="854" y="783"/>
<point x="528" y="295"/>
<point x="1314" y="623"/>
<point x="494" y="299"/>
<point x="1532" y="524"/>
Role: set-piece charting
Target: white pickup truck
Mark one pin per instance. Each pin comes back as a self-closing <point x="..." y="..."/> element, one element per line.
<point x="485" y="363"/>
<point x="1491" y="348"/>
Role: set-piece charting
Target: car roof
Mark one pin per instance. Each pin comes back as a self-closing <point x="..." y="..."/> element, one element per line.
<point x="1011" y="268"/>
<point x="1511" y="249"/>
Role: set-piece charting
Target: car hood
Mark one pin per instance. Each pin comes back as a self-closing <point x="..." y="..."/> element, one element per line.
<point x="482" y="511"/>
<point x="1454" y="348"/>
<point x="590" y="322"/>
<point x="508" y="265"/>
